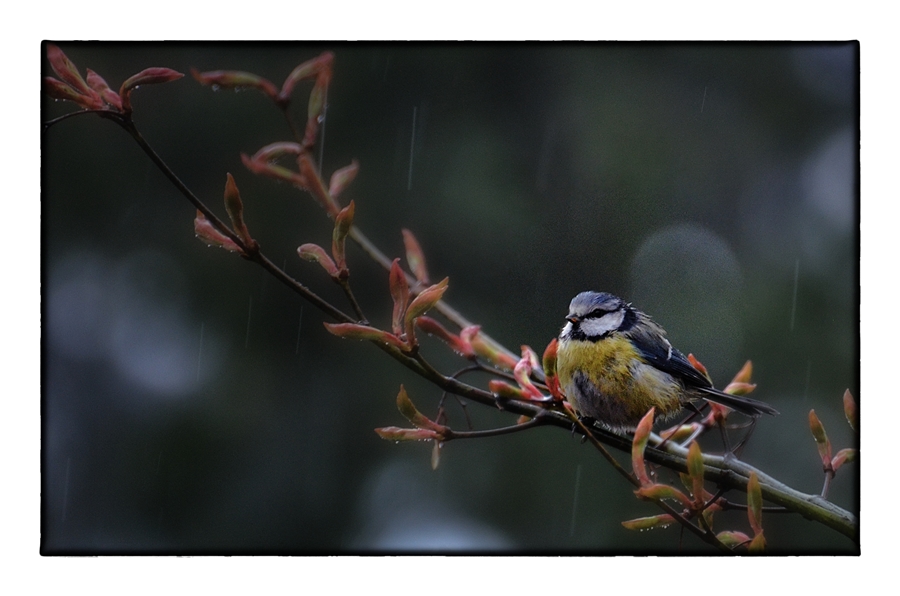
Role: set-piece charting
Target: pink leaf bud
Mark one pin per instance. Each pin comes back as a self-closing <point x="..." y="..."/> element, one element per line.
<point x="409" y="411"/>
<point x="206" y="232"/>
<point x="754" y="503"/>
<point x="426" y="299"/>
<point x="488" y="349"/>
<point x="235" y="209"/>
<point x="415" y="257"/>
<point x="505" y="390"/>
<point x="850" y="409"/>
<point x="264" y="168"/>
<point x="342" y="223"/>
<point x="66" y="70"/>
<point x="738" y="388"/>
<point x="659" y="492"/>
<point x="641" y="436"/>
<point x="758" y="544"/>
<point x="307" y="70"/>
<point x="59" y="90"/>
<point x="843" y="456"/>
<point x="235" y="79"/>
<point x="364" y="332"/>
<point x="393" y="433"/>
<point x="647" y="523"/>
<point x="549" y="364"/>
<point x="342" y="178"/>
<point x="314" y="252"/>
<point x="522" y="373"/>
<point x="698" y="365"/>
<point x="732" y="539"/>
<point x="148" y="76"/>
<point x="98" y="84"/>
<point x="695" y="471"/>
<point x="743" y="375"/>
<point x="400" y="296"/>
<point x="822" y="442"/>
<point x="432" y="327"/>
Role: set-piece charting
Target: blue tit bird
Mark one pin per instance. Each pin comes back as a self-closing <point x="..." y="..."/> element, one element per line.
<point x="614" y="363"/>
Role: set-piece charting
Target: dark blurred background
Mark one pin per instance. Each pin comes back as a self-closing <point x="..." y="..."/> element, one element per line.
<point x="193" y="404"/>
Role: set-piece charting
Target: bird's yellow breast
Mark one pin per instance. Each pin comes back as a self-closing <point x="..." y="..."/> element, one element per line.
<point x="610" y="381"/>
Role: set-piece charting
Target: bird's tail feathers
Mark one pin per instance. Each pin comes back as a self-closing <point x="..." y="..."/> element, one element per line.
<point x="744" y="405"/>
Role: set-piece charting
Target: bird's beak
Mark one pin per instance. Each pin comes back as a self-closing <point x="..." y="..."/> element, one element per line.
<point x="572" y="319"/>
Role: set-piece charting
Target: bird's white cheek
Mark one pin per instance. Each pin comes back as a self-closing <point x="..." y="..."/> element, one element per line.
<point x="566" y="331"/>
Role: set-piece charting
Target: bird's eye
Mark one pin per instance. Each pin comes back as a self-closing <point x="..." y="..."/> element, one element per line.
<point x="597" y="313"/>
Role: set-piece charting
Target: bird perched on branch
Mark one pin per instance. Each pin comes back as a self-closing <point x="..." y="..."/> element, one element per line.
<point x="614" y="363"/>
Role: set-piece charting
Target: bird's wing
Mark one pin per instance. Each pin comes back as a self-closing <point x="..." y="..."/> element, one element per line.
<point x="658" y="352"/>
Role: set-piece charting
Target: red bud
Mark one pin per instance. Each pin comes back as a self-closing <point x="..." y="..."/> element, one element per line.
<point x="314" y="252"/>
<point x="364" y="332"/>
<point x="206" y="232"/>
<point x="148" y="76"/>
<point x="342" y="178"/>
<point x="66" y="70"/>
<point x="647" y="523"/>
<point x="754" y="503"/>
<point x="415" y="257"/>
<point x="400" y="295"/>
<point x="850" y="409"/>
<point x="342" y="223"/>
<point x="236" y="79"/>
<point x="235" y="209"/>
<point x="641" y="436"/>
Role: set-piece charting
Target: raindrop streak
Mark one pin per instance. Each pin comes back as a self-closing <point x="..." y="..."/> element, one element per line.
<point x="575" y="500"/>
<point x="66" y="490"/>
<point x="412" y="146"/>
<point x="794" y="300"/>
<point x="249" y="309"/>
<point x="199" y="353"/>
<point x="808" y="377"/>
<point x="703" y="103"/>
<point x="299" y="327"/>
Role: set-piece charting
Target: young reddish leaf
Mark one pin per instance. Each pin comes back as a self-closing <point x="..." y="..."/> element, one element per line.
<point x="680" y="433"/>
<point x="66" y="70"/>
<point x="364" y="332"/>
<point x="754" y="503"/>
<point x="148" y="76"/>
<point x="647" y="523"/>
<point x="641" y="436"/>
<point x="314" y="252"/>
<point x="206" y="232"/>
<point x="98" y="84"/>
<point x="307" y="70"/>
<point x="822" y="442"/>
<point x="522" y="374"/>
<point x="732" y="539"/>
<point x="235" y="79"/>
<point x="432" y="327"/>
<point x="342" y="223"/>
<point x="235" y="209"/>
<point x="409" y="411"/>
<point x="505" y="390"/>
<point x="658" y="492"/>
<point x="758" y="544"/>
<point x="415" y="257"/>
<point x="309" y="179"/>
<point x="264" y="168"/>
<point x="843" y="456"/>
<point x="850" y="408"/>
<point x="342" y="178"/>
<point x="274" y="151"/>
<point x="59" y="90"/>
<point x="549" y="365"/>
<point x="698" y="365"/>
<point x="400" y="295"/>
<point x="394" y="433"/>
<point x="426" y="299"/>
<point x="738" y="388"/>
<point x="695" y="471"/>
<point x="317" y="97"/>
<point x="743" y="375"/>
<point x="489" y="350"/>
